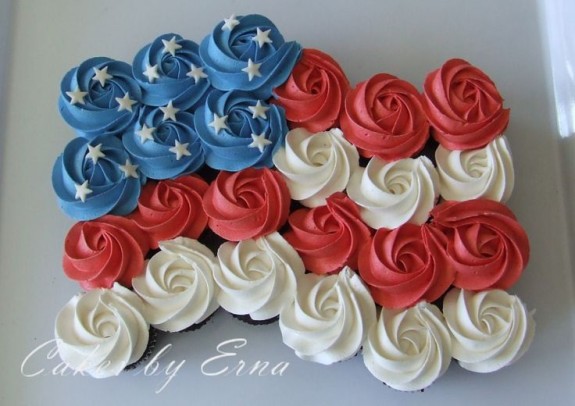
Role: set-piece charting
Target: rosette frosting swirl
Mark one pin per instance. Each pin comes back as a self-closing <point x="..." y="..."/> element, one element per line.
<point x="102" y="331"/>
<point x="172" y="208"/>
<point x="314" y="94"/>
<point x="404" y="266"/>
<point x="490" y="329"/>
<point x="170" y="69"/>
<point x="463" y="106"/>
<point x="247" y="204"/>
<point x="316" y="165"/>
<point x="408" y="349"/>
<point x="479" y="173"/>
<point x="96" y="177"/>
<point x="164" y="148"/>
<point x="248" y="53"/>
<point x="258" y="277"/>
<point x="178" y="286"/>
<point x="328" y="237"/>
<point x="485" y="244"/>
<point x="239" y="130"/>
<point x="384" y="117"/>
<point x="99" y="97"/>
<point x="100" y="252"/>
<point x="393" y="193"/>
<point x="329" y="320"/>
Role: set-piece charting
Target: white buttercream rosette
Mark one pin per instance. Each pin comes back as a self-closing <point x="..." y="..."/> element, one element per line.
<point x="178" y="286"/>
<point x="103" y="331"/>
<point x="317" y="165"/>
<point x="479" y="173"/>
<point x="491" y="329"/>
<point x="408" y="349"/>
<point x="257" y="277"/>
<point x="330" y="317"/>
<point x="390" y="194"/>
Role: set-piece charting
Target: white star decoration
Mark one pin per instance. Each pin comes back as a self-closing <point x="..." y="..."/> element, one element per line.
<point x="101" y="75"/>
<point x="146" y="133"/>
<point x="230" y="23"/>
<point x="95" y="153"/>
<point x="129" y="169"/>
<point x="76" y="96"/>
<point x="125" y="103"/>
<point x="171" y="46"/>
<point x="262" y="37"/>
<point x="219" y="123"/>
<point x="259" y="142"/>
<point x="169" y="112"/>
<point x="180" y="150"/>
<point x="196" y="72"/>
<point x="253" y="69"/>
<point x="151" y="73"/>
<point x="259" y="110"/>
<point x="82" y="191"/>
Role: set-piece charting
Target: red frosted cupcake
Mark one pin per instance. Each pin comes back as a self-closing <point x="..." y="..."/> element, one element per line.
<point x="314" y="93"/>
<point x="384" y="117"/>
<point x="247" y="204"/>
<point x="172" y="208"/>
<point x="328" y="237"/>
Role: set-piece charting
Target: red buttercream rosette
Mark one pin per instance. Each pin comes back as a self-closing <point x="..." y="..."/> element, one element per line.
<point x="328" y="237"/>
<point x="172" y="208"/>
<point x="463" y="106"/>
<point x="406" y="265"/>
<point x="314" y="93"/>
<point x="247" y="204"/>
<point x="384" y="117"/>
<point x="486" y="246"/>
<point x="99" y="252"/>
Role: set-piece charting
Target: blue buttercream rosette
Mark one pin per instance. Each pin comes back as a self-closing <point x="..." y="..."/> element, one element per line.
<point x="170" y="69"/>
<point x="95" y="177"/>
<point x="99" y="97"/>
<point x="164" y="148"/>
<point x="248" y="53"/>
<point x="239" y="130"/>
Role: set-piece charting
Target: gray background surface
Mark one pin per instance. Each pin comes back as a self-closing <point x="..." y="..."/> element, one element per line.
<point x="506" y="39"/>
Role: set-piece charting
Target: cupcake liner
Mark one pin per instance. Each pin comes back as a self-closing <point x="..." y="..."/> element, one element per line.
<point x="246" y="318"/>
<point x="197" y="326"/>
<point x="153" y="339"/>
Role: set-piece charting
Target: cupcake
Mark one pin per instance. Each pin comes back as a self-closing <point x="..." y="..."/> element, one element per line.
<point x="103" y="332"/>
<point x="257" y="277"/>
<point x="329" y="319"/>
<point x="408" y="349"/>
<point x="177" y="288"/>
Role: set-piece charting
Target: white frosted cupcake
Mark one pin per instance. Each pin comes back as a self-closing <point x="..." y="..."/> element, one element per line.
<point x="102" y="332"/>
<point x="491" y="329"/>
<point x="315" y="166"/>
<point x="178" y="288"/>
<point x="390" y="194"/>
<point x="408" y="349"/>
<point x="478" y="173"/>
<point x="330" y="317"/>
<point x="257" y="277"/>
